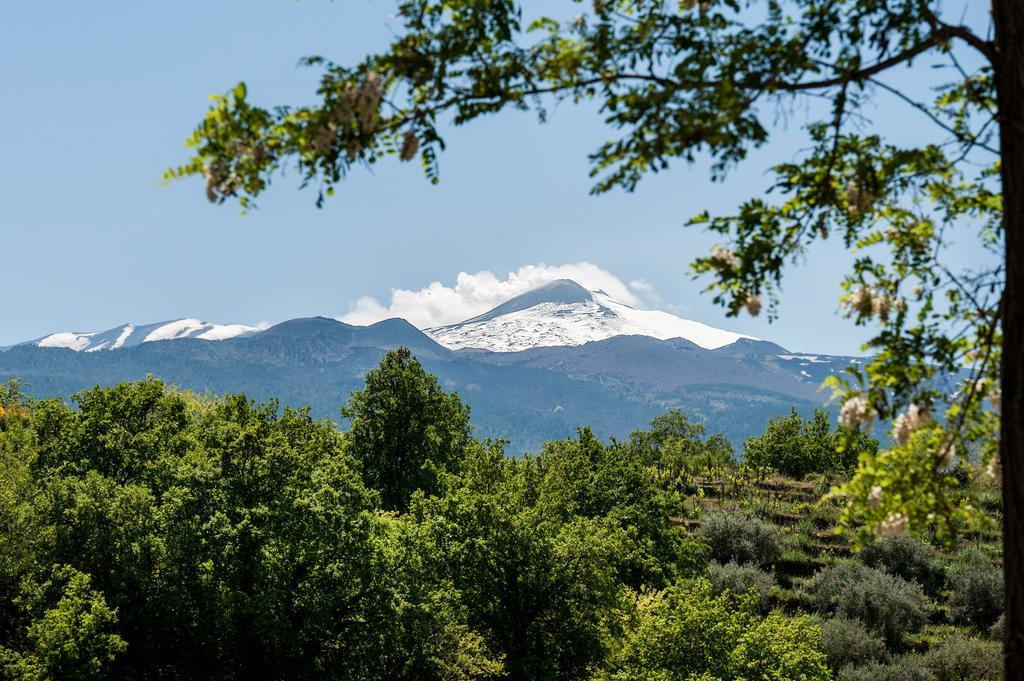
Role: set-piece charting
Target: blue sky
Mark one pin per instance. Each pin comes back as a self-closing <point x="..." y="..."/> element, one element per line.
<point x="100" y="96"/>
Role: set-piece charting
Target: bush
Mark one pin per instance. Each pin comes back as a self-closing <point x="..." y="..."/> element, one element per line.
<point x="848" y="642"/>
<point x="906" y="668"/>
<point x="908" y="557"/>
<point x="977" y="592"/>
<point x="998" y="630"/>
<point x="740" y="579"/>
<point x="886" y="604"/>
<point x="740" y="538"/>
<point x="960" y="658"/>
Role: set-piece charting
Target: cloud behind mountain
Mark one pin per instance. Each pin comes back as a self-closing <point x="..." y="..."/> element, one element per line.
<point x="437" y="304"/>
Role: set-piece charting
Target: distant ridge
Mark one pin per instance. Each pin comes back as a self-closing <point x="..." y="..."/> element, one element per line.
<point x="532" y="369"/>
<point x="559" y="313"/>
<point x="130" y="335"/>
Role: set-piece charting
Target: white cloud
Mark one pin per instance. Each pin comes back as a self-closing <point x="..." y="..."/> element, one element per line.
<point x="473" y="294"/>
<point x="645" y="290"/>
<point x="641" y="285"/>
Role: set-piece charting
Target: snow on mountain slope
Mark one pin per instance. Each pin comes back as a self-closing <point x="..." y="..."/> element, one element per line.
<point x="563" y="313"/>
<point x="66" y="339"/>
<point x="130" y="334"/>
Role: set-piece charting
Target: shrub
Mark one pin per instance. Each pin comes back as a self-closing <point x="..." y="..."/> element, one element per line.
<point x="998" y="630"/>
<point x="906" y="668"/>
<point x="740" y="579"/>
<point x="977" y="592"/>
<point x="886" y="604"/>
<point x="740" y="538"/>
<point x="959" y="658"/>
<point x="908" y="557"/>
<point x="848" y="642"/>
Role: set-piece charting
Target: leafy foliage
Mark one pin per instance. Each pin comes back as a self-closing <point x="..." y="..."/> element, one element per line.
<point x="899" y="491"/>
<point x="688" y="633"/>
<point x="797" y="448"/>
<point x="680" y="79"/>
<point x="847" y="642"/>
<point x="230" y="539"/>
<point x="961" y="658"/>
<point x="404" y="428"/>
<point x="148" y="533"/>
<point x="887" y="605"/>
<point x="977" y="592"/>
<point x="906" y="668"/>
<point x="674" y="445"/>
<point x="740" y="579"/>
<point x="742" y="539"/>
<point x="72" y="634"/>
<point x="908" y="557"/>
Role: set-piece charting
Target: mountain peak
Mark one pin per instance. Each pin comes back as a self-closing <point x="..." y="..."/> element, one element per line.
<point x="562" y="312"/>
<point x="559" y="292"/>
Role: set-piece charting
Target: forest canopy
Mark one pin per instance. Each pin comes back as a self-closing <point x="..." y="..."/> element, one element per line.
<point x="148" y="533"/>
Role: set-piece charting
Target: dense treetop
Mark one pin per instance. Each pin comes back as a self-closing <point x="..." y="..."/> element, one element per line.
<point x="147" y="533"/>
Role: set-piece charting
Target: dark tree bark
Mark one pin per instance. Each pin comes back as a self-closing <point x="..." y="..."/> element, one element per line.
<point x="1009" y="72"/>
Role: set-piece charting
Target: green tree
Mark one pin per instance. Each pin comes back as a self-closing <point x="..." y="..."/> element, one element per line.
<point x="71" y="634"/>
<point x="686" y="632"/>
<point x="233" y="540"/>
<point x="683" y="78"/>
<point x="583" y="477"/>
<point x="797" y="448"/>
<point x="404" y="428"/>
<point x="540" y="586"/>
<point x="675" y="445"/>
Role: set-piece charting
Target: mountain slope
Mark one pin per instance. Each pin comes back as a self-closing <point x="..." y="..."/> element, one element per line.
<point x="129" y="335"/>
<point x="533" y="368"/>
<point x="614" y="385"/>
<point x="563" y="313"/>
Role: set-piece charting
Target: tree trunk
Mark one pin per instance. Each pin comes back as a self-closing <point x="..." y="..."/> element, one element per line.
<point x="1008" y="16"/>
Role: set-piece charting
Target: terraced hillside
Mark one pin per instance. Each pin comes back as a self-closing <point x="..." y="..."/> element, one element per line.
<point x="899" y="608"/>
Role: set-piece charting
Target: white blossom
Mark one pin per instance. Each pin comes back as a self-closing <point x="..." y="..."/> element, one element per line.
<point x="985" y="387"/>
<point x="875" y="497"/>
<point x="995" y="467"/>
<point x="859" y="302"/>
<point x="895" y="523"/>
<point x="858" y="200"/>
<point x="371" y="91"/>
<point x="880" y="305"/>
<point x="725" y="256"/>
<point x="753" y="304"/>
<point x="410" y="145"/>
<point x="857" y="412"/>
<point x="912" y="419"/>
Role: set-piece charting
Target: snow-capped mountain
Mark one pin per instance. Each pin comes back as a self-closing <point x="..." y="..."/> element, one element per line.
<point x="581" y="358"/>
<point x="563" y="313"/>
<point x="129" y="335"/>
<point x="559" y="314"/>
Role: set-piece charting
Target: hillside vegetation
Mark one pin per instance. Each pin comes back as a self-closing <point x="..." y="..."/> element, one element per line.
<point x="148" y="533"/>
